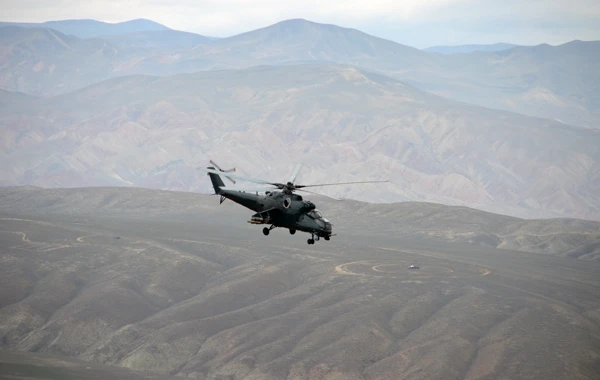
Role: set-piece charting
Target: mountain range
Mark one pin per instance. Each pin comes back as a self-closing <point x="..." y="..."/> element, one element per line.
<point x="558" y="82"/>
<point x="92" y="28"/>
<point x="113" y="255"/>
<point x="343" y="123"/>
<point x="148" y="106"/>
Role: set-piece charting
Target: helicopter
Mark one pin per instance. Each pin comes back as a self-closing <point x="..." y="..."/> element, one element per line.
<point x="279" y="206"/>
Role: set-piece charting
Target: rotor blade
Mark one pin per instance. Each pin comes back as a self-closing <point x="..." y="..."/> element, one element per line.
<point x="295" y="173"/>
<point x="241" y="177"/>
<point x="339" y="183"/>
<point x="215" y="165"/>
<point x="312" y="192"/>
<point x="229" y="170"/>
<point x="246" y="190"/>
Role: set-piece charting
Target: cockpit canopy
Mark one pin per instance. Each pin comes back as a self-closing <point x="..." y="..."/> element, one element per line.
<point x="315" y="214"/>
<point x="319" y="219"/>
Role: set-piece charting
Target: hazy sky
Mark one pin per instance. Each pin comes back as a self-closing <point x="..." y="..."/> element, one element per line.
<point x="419" y="23"/>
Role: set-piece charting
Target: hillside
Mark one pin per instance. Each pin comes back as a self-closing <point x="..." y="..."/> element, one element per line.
<point x="36" y="366"/>
<point x="343" y="123"/>
<point x="562" y="237"/>
<point x="173" y="284"/>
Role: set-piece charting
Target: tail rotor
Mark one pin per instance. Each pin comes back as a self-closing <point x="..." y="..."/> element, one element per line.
<point x="224" y="171"/>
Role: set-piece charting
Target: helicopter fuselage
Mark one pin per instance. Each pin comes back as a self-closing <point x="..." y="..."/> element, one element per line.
<point x="280" y="206"/>
<point x="279" y="209"/>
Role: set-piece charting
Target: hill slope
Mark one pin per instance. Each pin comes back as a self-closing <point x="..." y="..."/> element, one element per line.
<point x="343" y="123"/>
<point x="172" y="284"/>
<point x="562" y="237"/>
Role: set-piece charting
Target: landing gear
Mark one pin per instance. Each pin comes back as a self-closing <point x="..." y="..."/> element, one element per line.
<point x="326" y="238"/>
<point x="267" y="230"/>
<point x="292" y="231"/>
<point x="313" y="239"/>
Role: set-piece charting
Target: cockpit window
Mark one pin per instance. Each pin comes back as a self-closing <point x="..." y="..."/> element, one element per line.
<point x="315" y="214"/>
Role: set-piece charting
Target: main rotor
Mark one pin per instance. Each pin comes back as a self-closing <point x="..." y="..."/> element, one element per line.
<point x="289" y="187"/>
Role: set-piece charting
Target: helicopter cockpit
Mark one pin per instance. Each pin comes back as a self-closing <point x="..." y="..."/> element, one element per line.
<point x="318" y="217"/>
<point x="315" y="214"/>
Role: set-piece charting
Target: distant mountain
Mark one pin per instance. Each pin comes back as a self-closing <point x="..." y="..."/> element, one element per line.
<point x="469" y="48"/>
<point x="42" y="61"/>
<point x="342" y="122"/>
<point x="46" y="62"/>
<point x="523" y="79"/>
<point x="165" y="40"/>
<point x="93" y="28"/>
<point x="557" y="82"/>
<point x="300" y="40"/>
<point x="9" y="100"/>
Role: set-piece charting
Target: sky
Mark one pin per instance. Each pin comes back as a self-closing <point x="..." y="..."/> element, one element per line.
<point x="418" y="23"/>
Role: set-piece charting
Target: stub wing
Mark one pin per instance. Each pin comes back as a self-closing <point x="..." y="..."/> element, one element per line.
<point x="262" y="217"/>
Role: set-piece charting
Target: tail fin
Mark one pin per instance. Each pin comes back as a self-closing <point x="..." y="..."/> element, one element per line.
<point x="216" y="181"/>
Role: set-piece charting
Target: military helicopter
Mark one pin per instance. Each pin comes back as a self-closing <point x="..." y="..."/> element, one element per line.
<point x="279" y="206"/>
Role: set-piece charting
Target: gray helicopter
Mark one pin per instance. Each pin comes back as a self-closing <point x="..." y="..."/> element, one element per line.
<point x="279" y="206"/>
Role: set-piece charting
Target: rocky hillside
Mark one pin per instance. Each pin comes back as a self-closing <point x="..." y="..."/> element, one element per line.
<point x="343" y="123"/>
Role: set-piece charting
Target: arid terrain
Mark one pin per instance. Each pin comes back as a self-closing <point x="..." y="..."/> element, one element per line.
<point x="515" y="132"/>
<point x="174" y="284"/>
<point x="16" y="365"/>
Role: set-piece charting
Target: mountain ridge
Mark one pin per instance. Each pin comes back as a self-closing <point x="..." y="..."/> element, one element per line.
<point x="89" y="28"/>
<point x="469" y="48"/>
<point x="543" y="81"/>
<point x="434" y="148"/>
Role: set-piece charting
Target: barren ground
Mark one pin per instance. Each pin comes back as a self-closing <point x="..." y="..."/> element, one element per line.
<point x="215" y="299"/>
